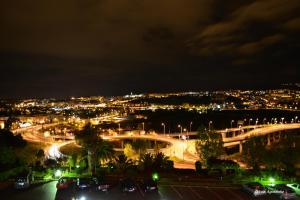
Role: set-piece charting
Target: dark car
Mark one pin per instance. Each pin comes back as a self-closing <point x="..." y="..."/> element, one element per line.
<point x="102" y="184"/>
<point x="149" y="185"/>
<point x="128" y="185"/>
<point x="86" y="184"/>
<point x="64" y="182"/>
<point x="23" y="180"/>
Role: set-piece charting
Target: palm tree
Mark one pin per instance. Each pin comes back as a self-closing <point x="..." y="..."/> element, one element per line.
<point x="160" y="161"/>
<point x="147" y="161"/>
<point x="94" y="146"/>
<point x="139" y="146"/>
<point x="122" y="163"/>
<point x="105" y="151"/>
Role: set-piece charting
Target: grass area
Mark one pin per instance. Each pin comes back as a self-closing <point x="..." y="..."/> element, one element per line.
<point x="28" y="153"/>
<point x="70" y="149"/>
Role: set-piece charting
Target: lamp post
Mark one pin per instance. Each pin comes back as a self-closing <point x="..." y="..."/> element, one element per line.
<point x="119" y="128"/>
<point x="179" y="126"/>
<point x="296" y="119"/>
<point x="209" y="125"/>
<point x="143" y="126"/>
<point x="191" y="126"/>
<point x="282" y="120"/>
<point x="163" y="124"/>
<point x="231" y="123"/>
<point x="250" y="121"/>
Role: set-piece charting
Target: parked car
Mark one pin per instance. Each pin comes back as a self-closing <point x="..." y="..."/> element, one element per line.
<point x="64" y="182"/>
<point x="23" y="180"/>
<point x="86" y="184"/>
<point x="149" y="185"/>
<point x="255" y="189"/>
<point x="102" y="185"/>
<point x="282" y="191"/>
<point x="128" y="185"/>
<point x="295" y="186"/>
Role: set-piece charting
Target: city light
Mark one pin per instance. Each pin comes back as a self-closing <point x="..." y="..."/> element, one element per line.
<point x="58" y="173"/>
<point x="155" y="176"/>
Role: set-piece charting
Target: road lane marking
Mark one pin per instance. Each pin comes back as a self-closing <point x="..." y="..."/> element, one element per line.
<point x="200" y="186"/>
<point x="195" y="193"/>
<point x="177" y="192"/>
<point x="140" y="191"/>
<point x="214" y="193"/>
<point x="234" y="194"/>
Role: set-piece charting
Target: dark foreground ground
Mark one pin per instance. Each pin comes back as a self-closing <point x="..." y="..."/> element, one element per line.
<point x="168" y="190"/>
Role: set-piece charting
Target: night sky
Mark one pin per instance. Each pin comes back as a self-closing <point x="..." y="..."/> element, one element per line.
<point x="61" y="48"/>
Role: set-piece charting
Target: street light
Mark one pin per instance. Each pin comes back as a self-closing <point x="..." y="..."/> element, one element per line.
<point x="209" y="124"/>
<point x="250" y="121"/>
<point x="119" y="128"/>
<point x="231" y="123"/>
<point x="163" y="124"/>
<point x="143" y="126"/>
<point x="282" y="120"/>
<point x="179" y="126"/>
<point x="191" y="126"/>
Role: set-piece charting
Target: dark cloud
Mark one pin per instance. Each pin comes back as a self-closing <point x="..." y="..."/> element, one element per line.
<point x="248" y="29"/>
<point x="75" y="47"/>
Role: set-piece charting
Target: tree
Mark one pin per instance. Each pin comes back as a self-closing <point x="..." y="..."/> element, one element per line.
<point x="283" y="155"/>
<point x="71" y="162"/>
<point x="139" y="146"/>
<point x="122" y="163"/>
<point x="7" y="157"/>
<point x="105" y="151"/>
<point x="147" y="161"/>
<point x="209" y="144"/>
<point x="160" y="161"/>
<point x="254" y="152"/>
<point x="129" y="151"/>
<point x="198" y="166"/>
<point x="95" y="146"/>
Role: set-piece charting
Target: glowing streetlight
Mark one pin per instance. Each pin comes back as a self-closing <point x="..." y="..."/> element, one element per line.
<point x="179" y="126"/>
<point x="155" y="176"/>
<point x="58" y="173"/>
<point x="191" y="126"/>
<point x="163" y="124"/>
<point x="250" y="121"/>
<point x="231" y="123"/>
<point x="209" y="125"/>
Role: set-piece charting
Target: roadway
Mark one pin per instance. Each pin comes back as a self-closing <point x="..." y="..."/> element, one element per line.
<point x="231" y="141"/>
<point x="45" y="191"/>
<point x="179" y="148"/>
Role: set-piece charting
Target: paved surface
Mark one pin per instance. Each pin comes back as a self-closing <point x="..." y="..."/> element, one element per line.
<point x="45" y="191"/>
<point x="165" y="192"/>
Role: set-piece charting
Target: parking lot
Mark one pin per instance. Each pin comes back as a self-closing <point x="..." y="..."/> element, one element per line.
<point x="170" y="192"/>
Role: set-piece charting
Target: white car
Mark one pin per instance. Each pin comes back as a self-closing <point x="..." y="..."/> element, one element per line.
<point x="283" y="191"/>
<point x="255" y="189"/>
<point x="295" y="186"/>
